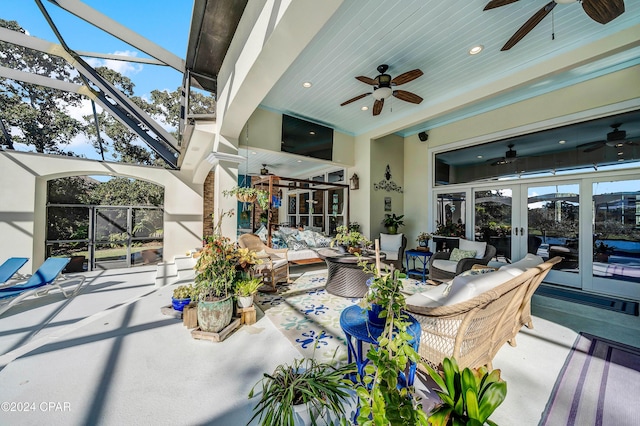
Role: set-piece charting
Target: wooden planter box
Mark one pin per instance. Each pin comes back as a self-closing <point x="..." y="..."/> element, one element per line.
<point x="216" y="337"/>
<point x="190" y="315"/>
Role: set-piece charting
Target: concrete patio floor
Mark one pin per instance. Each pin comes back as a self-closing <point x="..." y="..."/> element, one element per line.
<point x="109" y="357"/>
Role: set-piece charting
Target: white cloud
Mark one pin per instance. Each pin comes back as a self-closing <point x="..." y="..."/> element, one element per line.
<point x="125" y="68"/>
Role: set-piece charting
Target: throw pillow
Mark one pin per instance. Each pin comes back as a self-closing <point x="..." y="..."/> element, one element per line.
<point x="294" y="244"/>
<point x="390" y="242"/>
<point x="480" y="247"/>
<point x="457" y="254"/>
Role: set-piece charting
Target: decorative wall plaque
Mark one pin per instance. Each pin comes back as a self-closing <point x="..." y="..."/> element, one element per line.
<point x="387" y="184"/>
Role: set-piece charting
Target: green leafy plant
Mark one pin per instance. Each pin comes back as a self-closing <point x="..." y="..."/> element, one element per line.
<point x="322" y="386"/>
<point x="349" y="238"/>
<point x="382" y="401"/>
<point x="248" y="286"/>
<point x="183" y="292"/>
<point x="391" y="220"/>
<point x="450" y="229"/>
<point x="468" y="397"/>
<point x="249" y="194"/>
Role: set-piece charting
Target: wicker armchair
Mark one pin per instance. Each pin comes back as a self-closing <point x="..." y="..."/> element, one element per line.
<point x="474" y="330"/>
<point x="440" y="274"/>
<point x="275" y="266"/>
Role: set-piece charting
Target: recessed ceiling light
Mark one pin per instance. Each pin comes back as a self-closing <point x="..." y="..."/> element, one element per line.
<point x="479" y="156"/>
<point x="307" y="84"/>
<point x="364" y="108"/>
<point x="476" y="49"/>
<point x="562" y="142"/>
<point x="299" y="161"/>
<point x="253" y="152"/>
<point x="312" y="132"/>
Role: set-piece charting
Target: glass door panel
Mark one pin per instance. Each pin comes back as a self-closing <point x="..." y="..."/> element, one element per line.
<point x="553" y="223"/>
<point x="493" y="222"/>
<point x="616" y="236"/>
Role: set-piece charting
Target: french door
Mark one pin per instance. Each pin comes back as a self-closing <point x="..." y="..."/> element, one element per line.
<point x="593" y="223"/>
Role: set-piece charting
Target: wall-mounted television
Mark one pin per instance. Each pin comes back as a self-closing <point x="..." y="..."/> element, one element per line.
<point x="305" y="138"/>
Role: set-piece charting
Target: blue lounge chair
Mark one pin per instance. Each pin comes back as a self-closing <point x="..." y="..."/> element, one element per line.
<point x="10" y="267"/>
<point x="40" y="283"/>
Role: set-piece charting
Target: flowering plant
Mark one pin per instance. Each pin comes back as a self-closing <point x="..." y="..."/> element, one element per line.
<point x="424" y="236"/>
<point x="221" y="263"/>
<point x="450" y="229"/>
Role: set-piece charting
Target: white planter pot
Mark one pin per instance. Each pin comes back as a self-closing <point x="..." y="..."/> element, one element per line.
<point x="245" y="301"/>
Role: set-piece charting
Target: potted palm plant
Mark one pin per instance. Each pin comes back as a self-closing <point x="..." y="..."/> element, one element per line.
<point x="393" y="222"/>
<point x="303" y="392"/>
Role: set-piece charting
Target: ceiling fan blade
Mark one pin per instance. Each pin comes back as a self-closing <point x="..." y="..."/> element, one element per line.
<point x="529" y="25"/>
<point x="355" y="99"/>
<point x="377" y="106"/>
<point x="407" y="77"/>
<point x="367" y="80"/>
<point x="498" y="3"/>
<point x="590" y="144"/>
<point x="603" y="11"/>
<point x="407" y="96"/>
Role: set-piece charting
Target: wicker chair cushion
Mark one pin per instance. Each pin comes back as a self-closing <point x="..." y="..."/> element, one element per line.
<point x="529" y="261"/>
<point x="391" y="255"/>
<point x="478" y="246"/>
<point x="463" y="288"/>
<point x="445" y="265"/>
<point x="390" y="242"/>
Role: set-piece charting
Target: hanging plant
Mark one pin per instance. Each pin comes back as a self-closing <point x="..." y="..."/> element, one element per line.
<point x="247" y="194"/>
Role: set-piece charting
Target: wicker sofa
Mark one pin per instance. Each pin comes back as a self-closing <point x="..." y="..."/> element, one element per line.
<point x="486" y="311"/>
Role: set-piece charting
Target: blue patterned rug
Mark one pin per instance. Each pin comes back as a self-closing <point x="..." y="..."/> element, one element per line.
<point x="310" y="317"/>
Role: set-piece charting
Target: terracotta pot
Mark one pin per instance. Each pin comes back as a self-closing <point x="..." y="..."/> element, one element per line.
<point x="213" y="316"/>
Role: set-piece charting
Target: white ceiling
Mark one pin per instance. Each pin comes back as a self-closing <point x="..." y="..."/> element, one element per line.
<point x="435" y="36"/>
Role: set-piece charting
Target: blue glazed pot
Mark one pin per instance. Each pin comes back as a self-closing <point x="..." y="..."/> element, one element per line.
<point x="179" y="304"/>
<point x="374" y="319"/>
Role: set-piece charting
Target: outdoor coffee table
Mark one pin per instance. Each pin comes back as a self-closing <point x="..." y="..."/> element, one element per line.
<point x="344" y="277"/>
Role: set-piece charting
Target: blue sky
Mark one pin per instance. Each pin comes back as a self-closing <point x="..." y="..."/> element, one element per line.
<point x="164" y="22"/>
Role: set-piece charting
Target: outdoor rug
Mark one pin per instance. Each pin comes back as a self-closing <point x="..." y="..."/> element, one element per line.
<point x="599" y="384"/>
<point x="310" y="317"/>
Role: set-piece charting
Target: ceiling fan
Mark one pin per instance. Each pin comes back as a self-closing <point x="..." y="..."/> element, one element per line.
<point x="601" y="11"/>
<point x="615" y="138"/>
<point x="382" y="88"/>
<point x="510" y="156"/>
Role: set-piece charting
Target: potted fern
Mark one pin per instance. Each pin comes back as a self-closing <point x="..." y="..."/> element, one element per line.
<point x="246" y="194"/>
<point x="303" y="392"/>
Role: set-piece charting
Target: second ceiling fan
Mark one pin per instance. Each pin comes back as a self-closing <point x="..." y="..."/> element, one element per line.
<point x="383" y="88"/>
<point x="601" y="11"/>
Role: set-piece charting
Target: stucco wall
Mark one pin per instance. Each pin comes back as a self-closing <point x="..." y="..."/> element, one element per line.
<point x="388" y="150"/>
<point x="23" y="201"/>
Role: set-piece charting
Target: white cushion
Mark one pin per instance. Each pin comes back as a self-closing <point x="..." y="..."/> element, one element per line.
<point x="391" y="255"/>
<point x="428" y="299"/>
<point x="470" y="286"/>
<point x="479" y="246"/>
<point x="390" y="242"/>
<point x="529" y="261"/>
<point x="301" y="254"/>
<point x="445" y="265"/>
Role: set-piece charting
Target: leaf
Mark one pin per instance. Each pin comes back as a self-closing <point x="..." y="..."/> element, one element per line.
<point x="493" y="396"/>
<point x="440" y="416"/>
<point x="472" y="404"/>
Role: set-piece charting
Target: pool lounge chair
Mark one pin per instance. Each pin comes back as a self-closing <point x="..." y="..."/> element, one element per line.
<point x="39" y="284"/>
<point x="10" y="269"/>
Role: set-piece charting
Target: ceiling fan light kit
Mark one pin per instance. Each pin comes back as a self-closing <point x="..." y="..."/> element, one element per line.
<point x="383" y="88"/>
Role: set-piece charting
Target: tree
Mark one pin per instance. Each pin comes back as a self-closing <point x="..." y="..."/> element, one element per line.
<point x="40" y="113"/>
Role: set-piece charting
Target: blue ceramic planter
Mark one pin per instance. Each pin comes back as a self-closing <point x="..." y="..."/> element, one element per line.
<point x="179" y="304"/>
<point x="374" y="318"/>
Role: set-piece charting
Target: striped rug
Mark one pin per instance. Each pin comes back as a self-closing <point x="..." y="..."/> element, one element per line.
<point x="599" y="384"/>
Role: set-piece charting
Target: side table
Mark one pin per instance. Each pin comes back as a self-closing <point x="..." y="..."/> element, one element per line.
<point x="423" y="257"/>
<point x="354" y="323"/>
